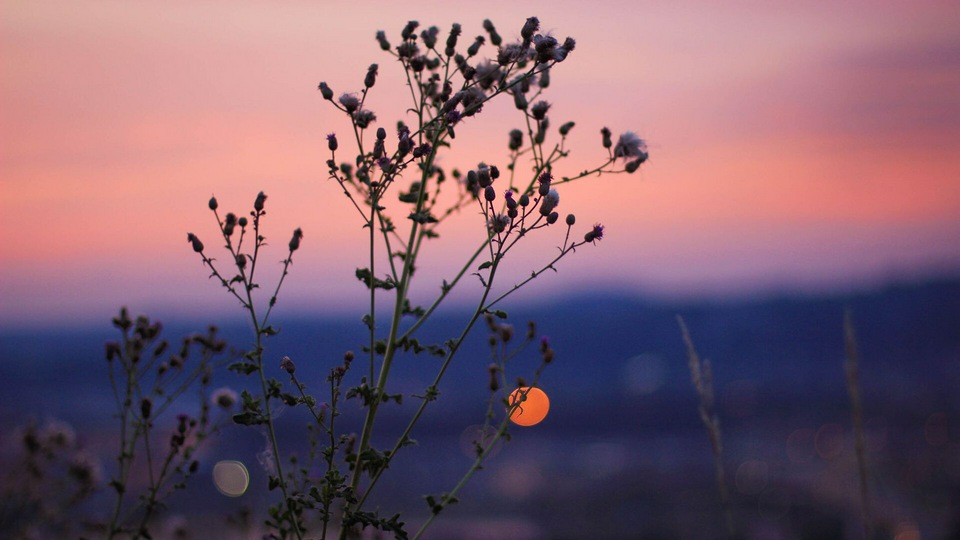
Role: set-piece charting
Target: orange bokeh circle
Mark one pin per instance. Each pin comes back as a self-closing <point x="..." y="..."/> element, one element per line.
<point x="533" y="407"/>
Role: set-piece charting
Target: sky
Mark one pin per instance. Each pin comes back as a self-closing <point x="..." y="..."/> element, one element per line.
<point x="800" y="147"/>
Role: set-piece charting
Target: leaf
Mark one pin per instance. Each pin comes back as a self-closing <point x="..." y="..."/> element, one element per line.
<point x="248" y="418"/>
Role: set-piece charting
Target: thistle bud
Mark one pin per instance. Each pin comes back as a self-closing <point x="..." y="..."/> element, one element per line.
<point x="241" y="261"/>
<point x="607" y="137"/>
<point x="571" y="219"/>
<point x="544" y="80"/>
<point x="112" y="350"/>
<point x="490" y="194"/>
<point x="146" y="407"/>
<point x="332" y="142"/>
<point x="325" y="91"/>
<point x="494" y="370"/>
<point x="242" y="222"/>
<point x="539" y="109"/>
<point x="529" y="28"/>
<point x="552" y="218"/>
<point x="409" y="29"/>
<point x="452" y="40"/>
<point x="350" y="102"/>
<point x="295" y="241"/>
<point x="483" y="176"/>
<point x="371" y="77"/>
<point x="213" y="203"/>
<point x="495" y="38"/>
<point x="596" y="233"/>
<point x="286" y="364"/>
<point x="258" y="204"/>
<point x="565" y="128"/>
<point x="516" y="139"/>
<point x="520" y="101"/>
<point x="549" y="202"/>
<point x="197" y="244"/>
<point x="474" y="47"/>
<point x="381" y="134"/>
<point x="382" y="40"/>
<point x="544" y="180"/>
<point x="429" y="37"/>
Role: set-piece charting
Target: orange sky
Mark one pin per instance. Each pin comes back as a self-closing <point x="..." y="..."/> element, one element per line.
<point x="803" y="147"/>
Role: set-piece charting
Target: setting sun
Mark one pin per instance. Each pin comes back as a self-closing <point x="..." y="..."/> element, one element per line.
<point x="533" y="408"/>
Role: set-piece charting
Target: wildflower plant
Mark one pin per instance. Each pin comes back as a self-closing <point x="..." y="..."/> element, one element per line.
<point x="402" y="196"/>
<point x="148" y="377"/>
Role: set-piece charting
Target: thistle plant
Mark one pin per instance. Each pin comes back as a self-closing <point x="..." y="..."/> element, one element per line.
<point x="148" y="378"/>
<point x="402" y="195"/>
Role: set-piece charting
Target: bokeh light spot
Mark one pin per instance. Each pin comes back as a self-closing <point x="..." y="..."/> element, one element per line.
<point x="907" y="531"/>
<point x="751" y="477"/>
<point x="829" y="441"/>
<point x="644" y="374"/>
<point x="231" y="478"/>
<point x="532" y="406"/>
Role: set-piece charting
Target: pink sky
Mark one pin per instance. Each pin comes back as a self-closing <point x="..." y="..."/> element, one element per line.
<point x="806" y="146"/>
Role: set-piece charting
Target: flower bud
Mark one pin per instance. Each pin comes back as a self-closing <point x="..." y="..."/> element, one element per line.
<point x="452" y="40"/>
<point x="332" y="142"/>
<point x="490" y="194"/>
<point x="213" y="203"/>
<point x="384" y="44"/>
<point x="349" y="102"/>
<point x="224" y="398"/>
<point x="516" y="139"/>
<point x="146" y="407"/>
<point x="552" y="218"/>
<point x="295" y="241"/>
<point x="544" y="80"/>
<point x="549" y="202"/>
<point x="539" y="109"/>
<point x="544" y="180"/>
<point x="112" y="349"/>
<point x="607" y="137"/>
<point x="325" y="91"/>
<point x="495" y="38"/>
<point x="571" y="219"/>
<point x="241" y="260"/>
<point x="286" y="364"/>
<point x="524" y="200"/>
<point x="520" y="101"/>
<point x="371" y="77"/>
<point x="381" y="134"/>
<point x="242" y="222"/>
<point x="258" y="204"/>
<point x="197" y="244"/>
<point x="474" y="47"/>
<point x="565" y="129"/>
<point x="483" y="176"/>
<point x="494" y="370"/>
<point x="429" y="37"/>
<point x="529" y="27"/>
<point x="409" y="29"/>
<point x="596" y="233"/>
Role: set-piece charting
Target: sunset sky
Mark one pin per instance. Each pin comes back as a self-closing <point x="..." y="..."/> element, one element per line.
<point x="802" y="146"/>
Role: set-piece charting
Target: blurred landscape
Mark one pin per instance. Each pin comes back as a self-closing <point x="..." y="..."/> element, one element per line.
<point x="622" y="453"/>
